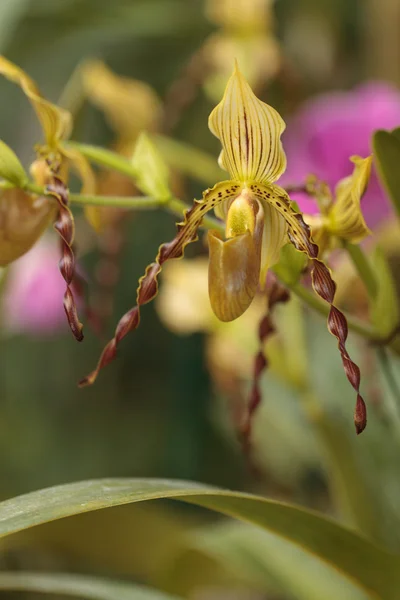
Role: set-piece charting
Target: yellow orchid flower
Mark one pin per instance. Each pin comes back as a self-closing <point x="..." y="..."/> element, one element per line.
<point x="259" y="220"/>
<point x="50" y="170"/>
<point x="56" y="123"/>
<point x="341" y="218"/>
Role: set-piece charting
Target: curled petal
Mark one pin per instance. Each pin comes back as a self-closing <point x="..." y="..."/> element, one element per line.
<point x="56" y="122"/>
<point x="148" y="284"/>
<point x="323" y="284"/>
<point x="346" y="219"/>
<point x="249" y="131"/>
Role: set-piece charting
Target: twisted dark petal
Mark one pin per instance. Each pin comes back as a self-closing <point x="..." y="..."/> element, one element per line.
<point x="325" y="287"/>
<point x="276" y="295"/>
<point x="64" y="225"/>
<point x="148" y="285"/>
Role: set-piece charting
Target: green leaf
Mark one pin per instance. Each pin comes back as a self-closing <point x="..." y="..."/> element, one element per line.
<point x="386" y="146"/>
<point x="369" y="567"/>
<point x="351" y="480"/>
<point x="384" y="307"/>
<point x="260" y="558"/>
<point x="10" y="167"/>
<point x="78" y="585"/>
<point x="291" y="265"/>
<point x="151" y="171"/>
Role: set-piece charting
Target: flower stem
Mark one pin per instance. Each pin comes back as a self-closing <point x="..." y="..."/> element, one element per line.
<point x="172" y="205"/>
<point x="105" y="158"/>
<point x="356" y="325"/>
<point x="309" y="298"/>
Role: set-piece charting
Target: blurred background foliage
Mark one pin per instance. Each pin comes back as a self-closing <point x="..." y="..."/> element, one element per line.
<point x="167" y="407"/>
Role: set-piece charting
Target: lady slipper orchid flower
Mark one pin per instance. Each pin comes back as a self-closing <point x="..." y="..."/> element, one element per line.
<point x="259" y="220"/>
<point x="50" y="170"/>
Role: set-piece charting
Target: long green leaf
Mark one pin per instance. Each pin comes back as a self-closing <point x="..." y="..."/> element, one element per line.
<point x="262" y="558"/>
<point x="78" y="585"/>
<point x="370" y="567"/>
<point x="386" y="147"/>
<point x="385" y="306"/>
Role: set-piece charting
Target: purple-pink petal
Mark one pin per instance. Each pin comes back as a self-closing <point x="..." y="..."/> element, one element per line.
<point x="32" y="300"/>
<point x="329" y="129"/>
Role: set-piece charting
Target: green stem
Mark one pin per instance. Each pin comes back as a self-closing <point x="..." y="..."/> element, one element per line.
<point x="354" y="324"/>
<point x="172" y="205"/>
<point x="186" y="158"/>
<point x="309" y="298"/>
<point x="105" y="158"/>
<point x="136" y="202"/>
<point x="363" y="267"/>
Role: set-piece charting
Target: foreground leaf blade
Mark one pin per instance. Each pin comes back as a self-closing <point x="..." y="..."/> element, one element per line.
<point x="265" y="560"/>
<point x="78" y="585"/>
<point x="370" y="567"/>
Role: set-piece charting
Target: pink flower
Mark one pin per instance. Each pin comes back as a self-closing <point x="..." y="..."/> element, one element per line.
<point x="334" y="126"/>
<point x="32" y="301"/>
